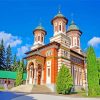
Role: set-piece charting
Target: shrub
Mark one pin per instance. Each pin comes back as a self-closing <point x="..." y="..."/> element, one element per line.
<point x="64" y="81"/>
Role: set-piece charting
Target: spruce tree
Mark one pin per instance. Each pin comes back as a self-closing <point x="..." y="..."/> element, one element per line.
<point x="2" y="55"/>
<point x="15" y="63"/>
<point x="92" y="72"/>
<point x="64" y="81"/>
<point x="8" y="58"/>
<point x="19" y="78"/>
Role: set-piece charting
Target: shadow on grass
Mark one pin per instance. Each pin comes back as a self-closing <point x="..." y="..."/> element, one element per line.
<point x="5" y="95"/>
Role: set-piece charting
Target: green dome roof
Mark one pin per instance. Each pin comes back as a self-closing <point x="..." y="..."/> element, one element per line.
<point x="73" y="26"/>
<point x="59" y="15"/>
<point x="39" y="27"/>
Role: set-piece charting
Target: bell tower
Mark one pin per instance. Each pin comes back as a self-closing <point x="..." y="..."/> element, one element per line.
<point x="39" y="35"/>
<point x="74" y="34"/>
<point x="59" y="23"/>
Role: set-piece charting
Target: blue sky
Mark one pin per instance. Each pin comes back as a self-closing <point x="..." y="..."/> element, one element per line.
<point x="18" y="18"/>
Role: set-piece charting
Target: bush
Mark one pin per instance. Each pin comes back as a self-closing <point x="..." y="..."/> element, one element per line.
<point x="64" y="81"/>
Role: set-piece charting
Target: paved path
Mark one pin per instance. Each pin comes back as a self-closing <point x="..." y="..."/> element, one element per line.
<point x="50" y="97"/>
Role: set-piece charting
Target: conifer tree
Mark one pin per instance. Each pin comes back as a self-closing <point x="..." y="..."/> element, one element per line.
<point x="19" y="78"/>
<point x="64" y="80"/>
<point x="92" y="72"/>
<point x="15" y="63"/>
<point x="98" y="66"/>
<point x="8" y="58"/>
<point x="2" y="55"/>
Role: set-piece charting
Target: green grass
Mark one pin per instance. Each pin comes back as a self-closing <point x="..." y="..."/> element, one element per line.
<point x="1" y="88"/>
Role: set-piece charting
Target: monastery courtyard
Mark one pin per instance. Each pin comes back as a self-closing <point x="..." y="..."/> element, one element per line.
<point x="21" y="96"/>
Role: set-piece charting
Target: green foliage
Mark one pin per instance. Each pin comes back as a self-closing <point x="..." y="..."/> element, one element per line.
<point x="98" y="66"/>
<point x="64" y="81"/>
<point x="19" y="78"/>
<point x="2" y="55"/>
<point x="8" y="58"/>
<point x="92" y="72"/>
<point x="15" y="64"/>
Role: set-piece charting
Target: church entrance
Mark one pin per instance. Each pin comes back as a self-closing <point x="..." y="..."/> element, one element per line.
<point x="39" y="74"/>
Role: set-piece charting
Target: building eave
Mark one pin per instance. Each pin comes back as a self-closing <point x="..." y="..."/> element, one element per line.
<point x="52" y="43"/>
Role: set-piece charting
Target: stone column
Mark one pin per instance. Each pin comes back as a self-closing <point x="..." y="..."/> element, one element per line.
<point x="42" y="76"/>
<point x="35" y="73"/>
<point x="35" y="77"/>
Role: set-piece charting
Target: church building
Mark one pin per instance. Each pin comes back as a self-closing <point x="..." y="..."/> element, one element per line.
<point x="45" y="60"/>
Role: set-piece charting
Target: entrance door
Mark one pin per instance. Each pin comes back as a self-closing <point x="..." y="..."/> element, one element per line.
<point x="39" y="74"/>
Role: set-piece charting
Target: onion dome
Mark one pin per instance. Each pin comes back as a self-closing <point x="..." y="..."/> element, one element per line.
<point x="73" y="27"/>
<point x="39" y="27"/>
<point x="59" y="15"/>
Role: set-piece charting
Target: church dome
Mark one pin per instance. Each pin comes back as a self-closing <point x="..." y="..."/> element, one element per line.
<point x="39" y="27"/>
<point x="59" y="15"/>
<point x="73" y="26"/>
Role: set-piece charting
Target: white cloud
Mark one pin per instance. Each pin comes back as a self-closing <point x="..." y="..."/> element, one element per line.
<point x="95" y="41"/>
<point x="22" y="50"/>
<point x="10" y="39"/>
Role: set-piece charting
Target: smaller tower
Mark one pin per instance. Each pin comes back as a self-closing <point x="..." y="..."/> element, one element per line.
<point x="39" y="35"/>
<point x="59" y="22"/>
<point x="74" y="34"/>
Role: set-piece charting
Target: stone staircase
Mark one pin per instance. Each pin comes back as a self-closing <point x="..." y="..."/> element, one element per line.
<point x="22" y="88"/>
<point x="41" y="89"/>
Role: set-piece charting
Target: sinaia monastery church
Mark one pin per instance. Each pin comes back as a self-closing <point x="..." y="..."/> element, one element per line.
<point x="45" y="61"/>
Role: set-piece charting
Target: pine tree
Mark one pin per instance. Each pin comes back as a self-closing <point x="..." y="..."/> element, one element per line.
<point x="15" y="63"/>
<point x="19" y="78"/>
<point x="8" y="58"/>
<point x="64" y="81"/>
<point x="92" y="72"/>
<point x="2" y="55"/>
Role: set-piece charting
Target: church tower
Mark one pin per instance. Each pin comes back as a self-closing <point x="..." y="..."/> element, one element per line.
<point x="59" y="23"/>
<point x="39" y="35"/>
<point x="74" y="34"/>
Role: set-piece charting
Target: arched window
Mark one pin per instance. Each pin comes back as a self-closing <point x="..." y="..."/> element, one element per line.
<point x="42" y="38"/>
<point x="38" y="38"/>
<point x="60" y="26"/>
<point x="78" y="41"/>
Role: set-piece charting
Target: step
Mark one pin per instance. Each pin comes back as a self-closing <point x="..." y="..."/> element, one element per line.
<point x="22" y="88"/>
<point x="40" y="89"/>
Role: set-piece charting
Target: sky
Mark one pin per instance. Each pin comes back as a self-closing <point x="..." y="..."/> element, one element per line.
<point x="18" y="19"/>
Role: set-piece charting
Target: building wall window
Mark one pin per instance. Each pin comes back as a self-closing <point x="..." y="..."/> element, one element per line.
<point x="42" y="38"/>
<point x="60" y="27"/>
<point x="48" y="72"/>
<point x="78" y="41"/>
<point x="65" y="53"/>
<point x="38" y="38"/>
<point x="49" y="53"/>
